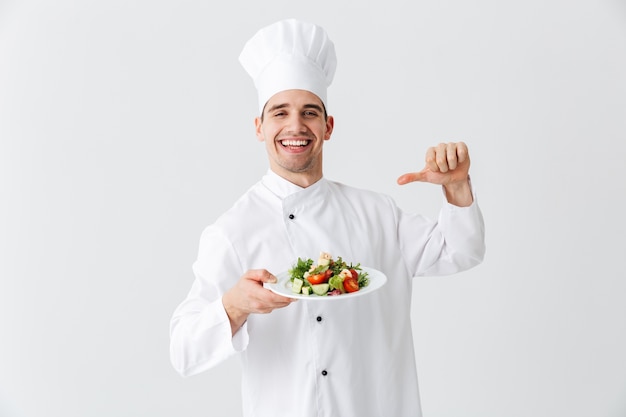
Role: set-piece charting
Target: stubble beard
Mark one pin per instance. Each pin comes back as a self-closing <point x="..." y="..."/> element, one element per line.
<point x="297" y="167"/>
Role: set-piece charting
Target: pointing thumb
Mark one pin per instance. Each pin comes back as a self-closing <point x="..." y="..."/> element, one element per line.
<point x="412" y="177"/>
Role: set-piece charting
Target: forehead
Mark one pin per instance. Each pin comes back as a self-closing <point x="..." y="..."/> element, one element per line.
<point x="293" y="98"/>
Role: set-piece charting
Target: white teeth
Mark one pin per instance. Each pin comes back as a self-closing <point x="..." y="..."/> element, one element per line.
<point x="294" y="142"/>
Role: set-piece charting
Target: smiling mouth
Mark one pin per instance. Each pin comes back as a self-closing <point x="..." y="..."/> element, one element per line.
<point x="294" y="143"/>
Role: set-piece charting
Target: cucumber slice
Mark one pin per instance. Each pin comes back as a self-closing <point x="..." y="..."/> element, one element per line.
<point x="296" y="285"/>
<point x="320" y="289"/>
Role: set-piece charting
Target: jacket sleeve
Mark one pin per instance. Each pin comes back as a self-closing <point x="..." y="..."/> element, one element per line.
<point x="454" y="243"/>
<point x="200" y="333"/>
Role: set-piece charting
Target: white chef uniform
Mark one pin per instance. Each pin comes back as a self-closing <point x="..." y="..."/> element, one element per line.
<point x="342" y="358"/>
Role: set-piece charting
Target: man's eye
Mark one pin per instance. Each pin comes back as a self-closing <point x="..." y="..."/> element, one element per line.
<point x="310" y="113"/>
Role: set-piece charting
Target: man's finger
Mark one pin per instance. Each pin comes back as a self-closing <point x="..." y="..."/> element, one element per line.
<point x="262" y="275"/>
<point x="451" y="155"/>
<point x="412" y="177"/>
<point x="431" y="159"/>
<point x="267" y="277"/>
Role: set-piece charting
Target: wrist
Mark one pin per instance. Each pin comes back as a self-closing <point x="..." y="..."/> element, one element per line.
<point x="459" y="193"/>
<point x="236" y="316"/>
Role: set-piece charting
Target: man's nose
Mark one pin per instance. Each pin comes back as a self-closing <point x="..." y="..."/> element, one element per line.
<point x="296" y="123"/>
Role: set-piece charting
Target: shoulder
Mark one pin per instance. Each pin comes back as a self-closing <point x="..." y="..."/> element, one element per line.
<point x="358" y="193"/>
<point x="257" y="199"/>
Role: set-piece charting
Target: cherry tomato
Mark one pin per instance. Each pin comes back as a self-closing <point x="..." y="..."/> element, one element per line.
<point x="316" y="279"/>
<point x="355" y="274"/>
<point x="320" y="278"/>
<point x="350" y="284"/>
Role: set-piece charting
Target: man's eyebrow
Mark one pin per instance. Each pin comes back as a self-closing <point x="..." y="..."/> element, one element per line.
<point x="285" y="105"/>
<point x="314" y="107"/>
<point x="277" y="106"/>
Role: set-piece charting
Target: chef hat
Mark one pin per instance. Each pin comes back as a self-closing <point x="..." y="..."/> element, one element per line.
<point x="289" y="54"/>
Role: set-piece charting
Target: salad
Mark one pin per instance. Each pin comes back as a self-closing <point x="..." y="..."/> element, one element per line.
<point x="327" y="277"/>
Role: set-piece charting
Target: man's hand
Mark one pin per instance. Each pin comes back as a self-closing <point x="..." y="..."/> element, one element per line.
<point x="249" y="296"/>
<point x="447" y="164"/>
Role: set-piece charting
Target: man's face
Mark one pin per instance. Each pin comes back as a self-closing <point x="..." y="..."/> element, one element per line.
<point x="294" y="129"/>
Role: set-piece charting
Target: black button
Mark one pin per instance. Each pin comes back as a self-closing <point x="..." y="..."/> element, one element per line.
<point x="324" y="372"/>
<point x="291" y="216"/>
<point x="319" y="318"/>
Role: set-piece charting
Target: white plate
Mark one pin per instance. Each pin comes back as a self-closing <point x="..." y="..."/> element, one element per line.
<point x="283" y="286"/>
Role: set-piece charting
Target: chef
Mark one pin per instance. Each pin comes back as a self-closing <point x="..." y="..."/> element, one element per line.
<point x="346" y="357"/>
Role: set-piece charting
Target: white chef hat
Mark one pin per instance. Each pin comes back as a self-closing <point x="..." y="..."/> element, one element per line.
<point x="290" y="54"/>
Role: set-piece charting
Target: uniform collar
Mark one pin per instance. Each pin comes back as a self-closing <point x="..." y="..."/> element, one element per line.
<point x="282" y="188"/>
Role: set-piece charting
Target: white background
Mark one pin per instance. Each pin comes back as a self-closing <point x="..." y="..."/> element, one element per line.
<point x="126" y="127"/>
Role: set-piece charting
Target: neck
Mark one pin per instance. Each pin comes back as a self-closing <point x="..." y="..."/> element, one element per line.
<point x="303" y="180"/>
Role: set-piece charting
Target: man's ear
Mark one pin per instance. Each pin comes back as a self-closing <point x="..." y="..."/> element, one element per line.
<point x="258" y="124"/>
<point x="330" y="125"/>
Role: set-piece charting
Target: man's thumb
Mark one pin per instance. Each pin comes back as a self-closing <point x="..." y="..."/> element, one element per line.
<point x="412" y="177"/>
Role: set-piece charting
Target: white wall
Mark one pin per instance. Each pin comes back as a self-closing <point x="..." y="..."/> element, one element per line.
<point x="126" y="128"/>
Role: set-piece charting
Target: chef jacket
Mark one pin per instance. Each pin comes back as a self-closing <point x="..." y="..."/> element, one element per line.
<point x="342" y="358"/>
